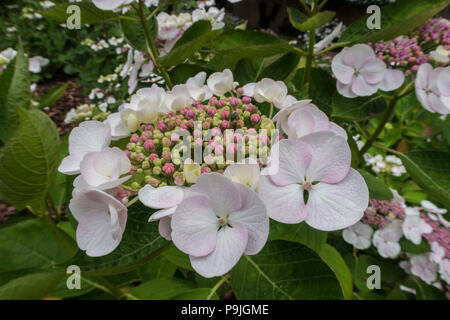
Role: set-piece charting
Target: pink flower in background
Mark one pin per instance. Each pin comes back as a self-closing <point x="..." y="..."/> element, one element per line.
<point x="359" y="235"/>
<point x="217" y="222"/>
<point x="360" y="73"/>
<point x="386" y="240"/>
<point x="110" y="4"/>
<point x="428" y="91"/>
<point x="315" y="184"/>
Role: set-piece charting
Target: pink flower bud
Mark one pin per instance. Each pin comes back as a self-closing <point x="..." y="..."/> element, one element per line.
<point x="168" y="168"/>
<point x="149" y="145"/>
<point x="174" y="137"/>
<point x="225" y="124"/>
<point x="246" y="100"/>
<point x="152" y="157"/>
<point x="254" y="118"/>
<point x="206" y="170"/>
<point x="134" y="138"/>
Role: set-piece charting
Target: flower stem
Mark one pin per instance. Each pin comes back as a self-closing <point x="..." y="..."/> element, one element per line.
<point x="310" y="57"/>
<point x="218" y="285"/>
<point x="271" y="111"/>
<point x="151" y="48"/>
<point x="386" y="117"/>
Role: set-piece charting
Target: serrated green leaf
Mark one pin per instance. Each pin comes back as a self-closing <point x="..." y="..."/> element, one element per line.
<point x="29" y="161"/>
<point x="14" y="92"/>
<point x="431" y="171"/>
<point x="286" y="271"/>
<point x="89" y="13"/>
<point x="357" y="109"/>
<point x="50" y="98"/>
<point x="397" y="19"/>
<point x="134" y="33"/>
<point x="377" y="189"/>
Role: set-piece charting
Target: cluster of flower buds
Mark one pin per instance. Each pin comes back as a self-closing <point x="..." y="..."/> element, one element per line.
<point x="221" y="132"/>
<point x="402" y="52"/>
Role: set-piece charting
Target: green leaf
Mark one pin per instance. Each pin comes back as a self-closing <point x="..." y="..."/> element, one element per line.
<point x="32" y="286"/>
<point x="408" y="246"/>
<point x="14" y="92"/>
<point x="234" y="45"/>
<point x="50" y="98"/>
<point x="181" y="73"/>
<point x="62" y="291"/>
<point x="431" y="171"/>
<point x="197" y="294"/>
<point x="377" y="189"/>
<point x="178" y="258"/>
<point x="425" y="291"/>
<point x="134" y="33"/>
<point x="336" y="263"/>
<point x="282" y="68"/>
<point x="286" y="271"/>
<point x="301" y="233"/>
<point x="159" y="267"/>
<point x="140" y="243"/>
<point x="89" y="13"/>
<point x="29" y="161"/>
<point x="192" y="40"/>
<point x="161" y="289"/>
<point x="357" y="109"/>
<point x="303" y="23"/>
<point x="397" y="19"/>
<point x="29" y="246"/>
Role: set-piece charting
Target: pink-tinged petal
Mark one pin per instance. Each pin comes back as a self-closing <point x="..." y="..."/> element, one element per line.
<point x="221" y="191"/>
<point x="373" y="71"/>
<point x="307" y="120"/>
<point x="89" y="136"/>
<point x="422" y="76"/>
<point x="393" y="79"/>
<point x="363" y="89"/>
<point x="345" y="90"/>
<point x="338" y="130"/>
<point x="294" y="159"/>
<point x="71" y="164"/>
<point x="90" y="166"/>
<point x="163" y="213"/>
<point x="112" y="184"/>
<point x="254" y="218"/>
<point x="284" y="204"/>
<point x="422" y="97"/>
<point x="108" y="4"/>
<point x="249" y="89"/>
<point x="435" y="103"/>
<point x="337" y="206"/>
<point x="194" y="226"/>
<point x="342" y="71"/>
<point x="358" y="55"/>
<point x="443" y="82"/>
<point x="433" y="77"/>
<point x="162" y="197"/>
<point x="231" y="244"/>
<point x="101" y="221"/>
<point x="331" y="157"/>
<point x="446" y="102"/>
<point x="165" y="230"/>
<point x="281" y="118"/>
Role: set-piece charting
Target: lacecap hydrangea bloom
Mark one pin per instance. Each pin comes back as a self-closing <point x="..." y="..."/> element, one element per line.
<point x="212" y="169"/>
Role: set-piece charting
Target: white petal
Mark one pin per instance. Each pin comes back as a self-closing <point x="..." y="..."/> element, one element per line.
<point x="254" y="218"/>
<point x="337" y="206"/>
<point x="118" y="128"/>
<point x="345" y="90"/>
<point x="393" y="79"/>
<point x="89" y="136"/>
<point x="162" y="197"/>
<point x="231" y="244"/>
<point x="343" y="72"/>
<point x="71" y="164"/>
<point x="165" y="229"/>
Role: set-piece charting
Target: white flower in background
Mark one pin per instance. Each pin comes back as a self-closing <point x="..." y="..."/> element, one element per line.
<point x="422" y="267"/>
<point x="440" y="55"/>
<point x="197" y="88"/>
<point x="36" y="64"/>
<point x="147" y="103"/>
<point x="184" y="20"/>
<point x="167" y="26"/>
<point x="214" y="15"/>
<point x="360" y="73"/>
<point x="303" y="118"/>
<point x="443" y="84"/>
<point x="413" y="227"/>
<point x="110" y="4"/>
<point x="166" y="199"/>
<point x="205" y="3"/>
<point x="326" y="42"/>
<point x="244" y="173"/>
<point x="407" y="289"/>
<point x="315" y="168"/>
<point x="139" y="60"/>
<point x="268" y="90"/>
<point x="359" y="235"/>
<point x="444" y="270"/>
<point x="386" y="240"/>
<point x="89" y="136"/>
<point x="431" y="207"/>
<point x="217" y="222"/>
<point x="46" y="4"/>
<point x="119" y="129"/>
<point x="103" y="170"/>
<point x="96" y="93"/>
<point x="221" y="82"/>
<point x="178" y="98"/>
<point x="391" y="164"/>
<point x="7" y="55"/>
<point x="427" y="89"/>
<point x="101" y="221"/>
